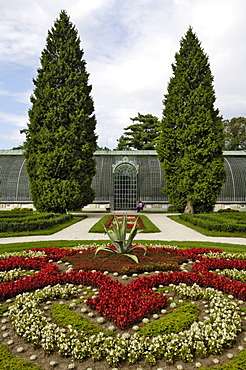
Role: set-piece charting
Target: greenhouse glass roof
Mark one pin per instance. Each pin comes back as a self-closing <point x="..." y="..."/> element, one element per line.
<point x="121" y="175"/>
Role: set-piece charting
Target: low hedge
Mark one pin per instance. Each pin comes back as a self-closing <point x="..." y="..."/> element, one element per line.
<point x="26" y="217"/>
<point x="228" y="210"/>
<point x="216" y="223"/>
<point x="36" y="222"/>
<point x="10" y="214"/>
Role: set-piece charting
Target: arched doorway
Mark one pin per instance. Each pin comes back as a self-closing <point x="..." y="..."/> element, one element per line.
<point x="125" y="186"/>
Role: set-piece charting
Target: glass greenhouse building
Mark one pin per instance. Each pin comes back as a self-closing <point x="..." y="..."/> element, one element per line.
<point x="122" y="179"/>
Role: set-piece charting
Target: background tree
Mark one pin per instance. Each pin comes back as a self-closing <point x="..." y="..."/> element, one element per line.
<point x="235" y="133"/>
<point x="60" y="138"/>
<point x="190" y="146"/>
<point x="142" y="134"/>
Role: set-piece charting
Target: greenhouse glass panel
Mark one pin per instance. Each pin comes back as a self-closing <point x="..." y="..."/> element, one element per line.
<point x="234" y="189"/>
<point x="125" y="187"/>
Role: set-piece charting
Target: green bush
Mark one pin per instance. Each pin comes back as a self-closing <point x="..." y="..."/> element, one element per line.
<point x="33" y="222"/>
<point x="10" y="214"/>
<point x="232" y="222"/>
<point x="172" y="209"/>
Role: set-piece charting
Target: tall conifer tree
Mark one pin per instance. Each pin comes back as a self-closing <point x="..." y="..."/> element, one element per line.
<point x="190" y="146"/>
<point x="60" y="138"/>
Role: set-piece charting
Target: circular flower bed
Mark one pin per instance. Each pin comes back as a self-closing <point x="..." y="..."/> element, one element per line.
<point x="180" y="319"/>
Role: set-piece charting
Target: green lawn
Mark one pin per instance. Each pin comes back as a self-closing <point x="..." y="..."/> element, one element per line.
<point x="14" y="247"/>
<point x="150" y="227"/>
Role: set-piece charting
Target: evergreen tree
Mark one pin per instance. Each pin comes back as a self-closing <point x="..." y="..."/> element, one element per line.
<point x="142" y="134"/>
<point x="191" y="141"/>
<point x="60" y="138"/>
<point x="235" y="133"/>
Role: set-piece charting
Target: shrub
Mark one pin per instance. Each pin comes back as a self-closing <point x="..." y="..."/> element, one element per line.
<point x="218" y="222"/>
<point x="33" y="222"/>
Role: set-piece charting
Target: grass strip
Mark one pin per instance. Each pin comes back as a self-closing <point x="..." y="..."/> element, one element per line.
<point x="64" y="316"/>
<point x="9" y="362"/>
<point x="178" y="320"/>
<point x="21" y="246"/>
<point x="238" y="363"/>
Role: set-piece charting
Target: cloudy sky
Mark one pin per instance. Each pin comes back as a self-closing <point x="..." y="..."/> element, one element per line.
<point x="129" y="46"/>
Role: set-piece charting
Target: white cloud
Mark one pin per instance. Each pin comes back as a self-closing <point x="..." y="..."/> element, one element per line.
<point x="21" y="97"/>
<point x="13" y="138"/>
<point x="14" y="119"/>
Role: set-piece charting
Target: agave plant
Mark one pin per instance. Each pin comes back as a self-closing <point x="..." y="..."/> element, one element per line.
<point x="118" y="236"/>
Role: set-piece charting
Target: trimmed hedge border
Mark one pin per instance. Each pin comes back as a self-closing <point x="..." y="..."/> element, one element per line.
<point x="32" y="222"/>
<point x="232" y="222"/>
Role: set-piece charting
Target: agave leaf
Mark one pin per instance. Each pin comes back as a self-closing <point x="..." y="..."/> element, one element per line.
<point x="132" y="256"/>
<point x="102" y="248"/>
<point x="116" y="226"/>
<point x="135" y="226"/>
<point x="113" y="235"/>
<point x="118" y="236"/>
<point x="116" y="242"/>
<point x="116" y="220"/>
<point x="123" y="228"/>
<point x="132" y="235"/>
<point x="110" y="234"/>
<point x="139" y="246"/>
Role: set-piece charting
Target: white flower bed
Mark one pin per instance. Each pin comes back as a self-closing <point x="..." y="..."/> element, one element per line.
<point x="218" y="330"/>
<point x="234" y="274"/>
<point x="14" y="274"/>
<point x="26" y="254"/>
<point x="229" y="256"/>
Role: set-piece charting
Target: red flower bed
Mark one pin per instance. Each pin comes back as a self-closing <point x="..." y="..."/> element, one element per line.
<point x="195" y="253"/>
<point x="34" y="263"/>
<point x="125" y="305"/>
<point x="55" y="253"/>
<point x="221" y="263"/>
<point x="48" y="275"/>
